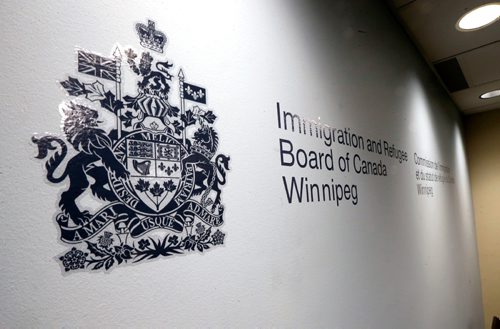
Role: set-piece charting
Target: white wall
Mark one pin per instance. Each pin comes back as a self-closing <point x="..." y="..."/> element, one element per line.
<point x="395" y="260"/>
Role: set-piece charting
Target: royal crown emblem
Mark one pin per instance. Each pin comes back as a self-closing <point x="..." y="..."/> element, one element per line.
<point x="151" y="38"/>
<point x="156" y="175"/>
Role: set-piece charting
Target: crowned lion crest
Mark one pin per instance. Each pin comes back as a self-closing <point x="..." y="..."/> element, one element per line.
<point x="156" y="174"/>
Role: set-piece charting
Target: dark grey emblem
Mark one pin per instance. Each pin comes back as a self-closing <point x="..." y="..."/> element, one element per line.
<point x="154" y="170"/>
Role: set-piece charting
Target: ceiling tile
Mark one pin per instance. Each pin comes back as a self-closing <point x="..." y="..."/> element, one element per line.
<point x="432" y="24"/>
<point x="468" y="100"/>
<point x="481" y="65"/>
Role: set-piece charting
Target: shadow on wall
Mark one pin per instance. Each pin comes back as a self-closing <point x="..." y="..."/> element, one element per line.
<point x="495" y="323"/>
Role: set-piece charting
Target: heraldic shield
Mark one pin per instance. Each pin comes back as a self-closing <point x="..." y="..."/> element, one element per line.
<point x="156" y="185"/>
<point x="153" y="172"/>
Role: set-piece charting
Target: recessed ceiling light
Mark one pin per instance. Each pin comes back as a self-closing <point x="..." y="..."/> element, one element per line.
<point x="479" y="17"/>
<point x="490" y="94"/>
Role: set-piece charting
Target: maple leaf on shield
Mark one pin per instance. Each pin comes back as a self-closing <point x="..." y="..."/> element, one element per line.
<point x="169" y="186"/>
<point x="156" y="190"/>
<point x="142" y="185"/>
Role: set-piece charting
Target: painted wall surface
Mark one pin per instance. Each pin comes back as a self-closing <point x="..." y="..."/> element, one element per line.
<point x="399" y="256"/>
<point x="483" y="154"/>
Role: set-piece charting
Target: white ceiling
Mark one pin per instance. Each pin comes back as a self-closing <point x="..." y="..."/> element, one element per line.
<point x="431" y="25"/>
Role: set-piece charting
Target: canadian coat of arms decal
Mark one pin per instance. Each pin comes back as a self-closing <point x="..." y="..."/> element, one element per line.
<point x="154" y="170"/>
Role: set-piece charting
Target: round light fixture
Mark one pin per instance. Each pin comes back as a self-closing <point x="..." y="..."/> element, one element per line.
<point x="479" y="17"/>
<point x="490" y="94"/>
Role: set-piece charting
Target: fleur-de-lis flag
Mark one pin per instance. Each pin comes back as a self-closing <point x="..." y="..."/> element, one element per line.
<point x="194" y="93"/>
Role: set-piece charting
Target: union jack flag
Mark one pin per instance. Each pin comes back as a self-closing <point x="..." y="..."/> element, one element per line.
<point x="97" y="66"/>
